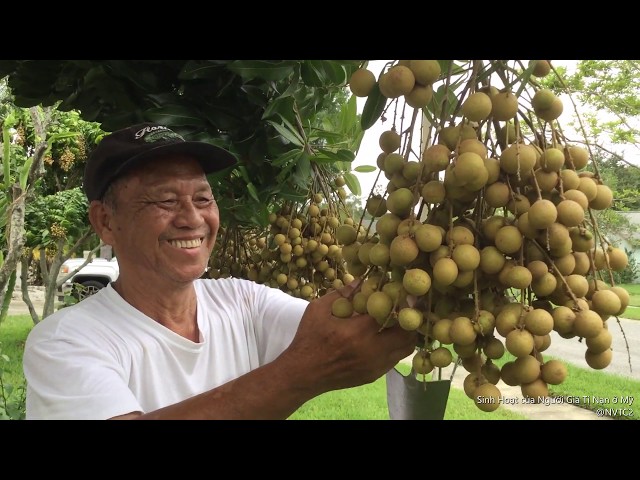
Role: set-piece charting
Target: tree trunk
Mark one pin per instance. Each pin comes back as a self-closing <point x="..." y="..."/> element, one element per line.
<point x="16" y="236"/>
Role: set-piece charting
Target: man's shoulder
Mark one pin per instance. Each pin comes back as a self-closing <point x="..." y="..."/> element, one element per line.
<point x="74" y="318"/>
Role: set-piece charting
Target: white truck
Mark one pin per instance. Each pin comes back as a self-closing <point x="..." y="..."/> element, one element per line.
<point x="89" y="279"/>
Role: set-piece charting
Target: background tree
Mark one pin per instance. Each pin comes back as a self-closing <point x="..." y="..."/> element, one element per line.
<point x="44" y="152"/>
<point x="610" y="91"/>
<point x="276" y="116"/>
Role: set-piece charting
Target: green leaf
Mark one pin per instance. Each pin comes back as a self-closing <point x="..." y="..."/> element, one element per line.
<point x="57" y="137"/>
<point x="196" y="69"/>
<point x="174" y="115"/>
<point x="365" y="168"/>
<point x="352" y="182"/>
<point x="286" y="158"/>
<point x="341" y="155"/>
<point x="373" y="108"/>
<point x="253" y="192"/>
<point x="292" y="136"/>
<point x="524" y="78"/>
<point x="273" y="71"/>
<point x="349" y="113"/>
<point x="24" y="173"/>
<point x="282" y="106"/>
<point x="6" y="156"/>
<point x="302" y="175"/>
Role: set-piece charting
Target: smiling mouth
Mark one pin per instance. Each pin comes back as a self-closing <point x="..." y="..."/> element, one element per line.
<point x="186" y="243"/>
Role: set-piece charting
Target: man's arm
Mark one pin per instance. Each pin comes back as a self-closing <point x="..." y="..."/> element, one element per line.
<point x="327" y="353"/>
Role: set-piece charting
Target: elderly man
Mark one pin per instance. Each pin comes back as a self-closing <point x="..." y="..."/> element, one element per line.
<point x="162" y="343"/>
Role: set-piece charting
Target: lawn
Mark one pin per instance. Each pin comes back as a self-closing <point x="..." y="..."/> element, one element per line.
<point x="633" y="310"/>
<point x="369" y="402"/>
<point x="13" y="332"/>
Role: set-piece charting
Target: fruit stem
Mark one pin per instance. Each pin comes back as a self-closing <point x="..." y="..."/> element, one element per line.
<point x="553" y="265"/>
<point x="602" y="242"/>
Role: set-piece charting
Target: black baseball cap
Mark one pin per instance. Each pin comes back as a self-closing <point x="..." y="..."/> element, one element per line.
<point x="122" y="149"/>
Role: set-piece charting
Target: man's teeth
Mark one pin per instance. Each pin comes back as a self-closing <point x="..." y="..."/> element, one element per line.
<point x="186" y="243"/>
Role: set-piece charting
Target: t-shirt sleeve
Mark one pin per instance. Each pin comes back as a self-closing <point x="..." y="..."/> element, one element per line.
<point x="71" y="380"/>
<point x="276" y="318"/>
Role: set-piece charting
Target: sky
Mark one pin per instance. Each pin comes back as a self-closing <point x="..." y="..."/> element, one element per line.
<point x="370" y="149"/>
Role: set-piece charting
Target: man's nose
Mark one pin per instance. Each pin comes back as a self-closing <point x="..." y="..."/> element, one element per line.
<point x="188" y="214"/>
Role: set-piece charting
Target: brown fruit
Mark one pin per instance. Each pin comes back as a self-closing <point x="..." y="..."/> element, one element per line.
<point x="504" y="106"/>
<point x="420" y="96"/>
<point x="587" y="324"/>
<point x="538" y="322"/>
<point x="441" y="357"/>
<point x="342" y="307"/>
<point x="379" y="306"/>
<point x="397" y="81"/>
<point x="467" y="257"/>
<point x="570" y="213"/>
<point x="542" y="214"/>
<point x="552" y="159"/>
<point x="426" y="72"/>
<point x="519" y="343"/>
<point x="606" y="302"/>
<point x="527" y="369"/>
<point x="462" y="332"/>
<point x="445" y="271"/>
<point x="554" y="372"/>
<point x="600" y="342"/>
<point x="487" y="397"/>
<point x="477" y="107"/>
<point x="508" y="239"/>
<point x="433" y="192"/>
<point x="436" y="157"/>
<point x="389" y="141"/>
<point x="598" y="361"/>
<point x="603" y="199"/>
<point x="403" y="250"/>
<point x="416" y="281"/>
<point x="421" y="363"/>
<point x="536" y="390"/>
<point x="577" y="157"/>
<point x="541" y="68"/>
<point x="410" y="319"/>
<point x="362" y="82"/>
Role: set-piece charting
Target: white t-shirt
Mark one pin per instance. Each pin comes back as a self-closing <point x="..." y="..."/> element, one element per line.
<point x="102" y="357"/>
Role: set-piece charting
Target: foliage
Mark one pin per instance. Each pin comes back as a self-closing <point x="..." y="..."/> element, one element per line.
<point x="622" y="178"/>
<point x="52" y="217"/>
<point x="612" y="89"/>
<point x="278" y="117"/>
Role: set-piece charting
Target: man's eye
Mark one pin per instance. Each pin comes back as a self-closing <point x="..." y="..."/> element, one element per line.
<point x="169" y="202"/>
<point x="204" y="201"/>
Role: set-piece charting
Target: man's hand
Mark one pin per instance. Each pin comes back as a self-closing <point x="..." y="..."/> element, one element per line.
<point x="346" y="352"/>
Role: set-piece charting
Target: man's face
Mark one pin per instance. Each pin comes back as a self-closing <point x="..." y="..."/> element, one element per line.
<point x="165" y="221"/>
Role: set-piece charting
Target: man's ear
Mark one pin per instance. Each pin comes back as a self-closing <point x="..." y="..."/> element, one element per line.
<point x="100" y="217"/>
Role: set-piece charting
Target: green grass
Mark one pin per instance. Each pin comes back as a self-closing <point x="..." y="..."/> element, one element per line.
<point x="13" y="333"/>
<point x="632" y="313"/>
<point x="599" y="385"/>
<point x="633" y="310"/>
<point x="369" y="402"/>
